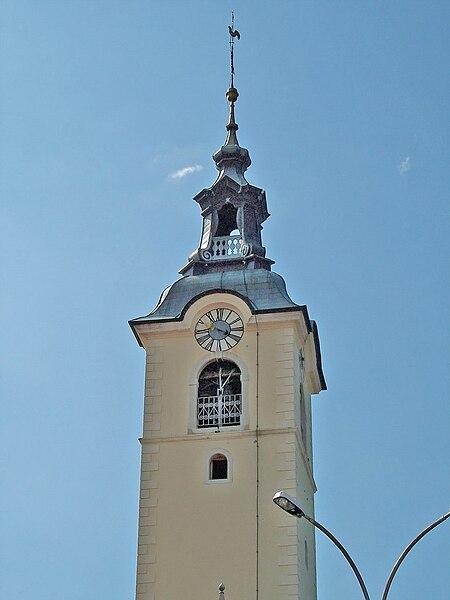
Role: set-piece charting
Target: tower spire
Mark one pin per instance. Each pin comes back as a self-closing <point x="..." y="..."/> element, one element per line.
<point x="232" y="93"/>
<point x="233" y="33"/>
<point x="231" y="159"/>
<point x="233" y="210"/>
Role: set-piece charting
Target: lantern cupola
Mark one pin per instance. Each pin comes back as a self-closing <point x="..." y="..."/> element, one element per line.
<point x="233" y="211"/>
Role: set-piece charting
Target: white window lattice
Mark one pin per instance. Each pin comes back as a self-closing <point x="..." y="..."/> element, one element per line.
<point x="220" y="411"/>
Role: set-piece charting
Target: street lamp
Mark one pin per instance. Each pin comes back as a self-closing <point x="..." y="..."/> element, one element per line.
<point x="409" y="547"/>
<point x="290" y="505"/>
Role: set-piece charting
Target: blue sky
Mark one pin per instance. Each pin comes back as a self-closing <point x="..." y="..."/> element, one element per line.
<point x="344" y="109"/>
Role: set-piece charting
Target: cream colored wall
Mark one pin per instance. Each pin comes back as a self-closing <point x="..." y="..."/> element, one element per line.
<point x="198" y="528"/>
<point x="194" y="534"/>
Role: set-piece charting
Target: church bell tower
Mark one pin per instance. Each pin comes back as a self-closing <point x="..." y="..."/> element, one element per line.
<point x="231" y="365"/>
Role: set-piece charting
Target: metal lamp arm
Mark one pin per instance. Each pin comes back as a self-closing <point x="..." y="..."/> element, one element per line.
<point x="407" y="550"/>
<point x="344" y="552"/>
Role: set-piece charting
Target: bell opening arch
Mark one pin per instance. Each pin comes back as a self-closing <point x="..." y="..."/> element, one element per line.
<point x="215" y="409"/>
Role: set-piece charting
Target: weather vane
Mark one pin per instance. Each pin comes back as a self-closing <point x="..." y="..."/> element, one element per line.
<point x="233" y="33"/>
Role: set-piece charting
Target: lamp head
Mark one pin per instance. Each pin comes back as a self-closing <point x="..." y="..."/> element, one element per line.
<point x="288" y="503"/>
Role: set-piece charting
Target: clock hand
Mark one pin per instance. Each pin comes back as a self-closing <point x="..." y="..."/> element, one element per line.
<point x="219" y="400"/>
<point x="220" y="329"/>
<point x="228" y="378"/>
<point x="220" y="380"/>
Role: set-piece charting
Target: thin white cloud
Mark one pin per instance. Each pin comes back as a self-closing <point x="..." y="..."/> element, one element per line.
<point x="185" y="171"/>
<point x="405" y="165"/>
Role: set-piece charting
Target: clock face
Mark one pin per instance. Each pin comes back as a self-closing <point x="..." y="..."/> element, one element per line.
<point x="219" y="329"/>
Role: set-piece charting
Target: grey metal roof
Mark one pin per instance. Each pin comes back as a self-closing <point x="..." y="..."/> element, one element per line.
<point x="262" y="290"/>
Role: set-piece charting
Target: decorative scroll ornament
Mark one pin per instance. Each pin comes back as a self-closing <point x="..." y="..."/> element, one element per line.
<point x="206" y="254"/>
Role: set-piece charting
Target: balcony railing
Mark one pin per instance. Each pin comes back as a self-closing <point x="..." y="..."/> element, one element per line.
<point x="220" y="411"/>
<point x="226" y="247"/>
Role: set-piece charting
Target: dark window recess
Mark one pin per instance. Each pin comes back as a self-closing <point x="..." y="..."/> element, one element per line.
<point x="218" y="467"/>
<point x="219" y="371"/>
<point x="227" y="220"/>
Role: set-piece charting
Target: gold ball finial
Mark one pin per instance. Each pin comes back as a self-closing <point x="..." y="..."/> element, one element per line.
<point x="232" y="94"/>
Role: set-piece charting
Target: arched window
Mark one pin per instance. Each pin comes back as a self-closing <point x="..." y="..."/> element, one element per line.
<point x="219" y="400"/>
<point x="227" y="220"/>
<point x="218" y="467"/>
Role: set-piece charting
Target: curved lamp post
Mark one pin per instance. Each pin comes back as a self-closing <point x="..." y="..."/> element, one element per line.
<point x="409" y="547"/>
<point x="290" y="505"/>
